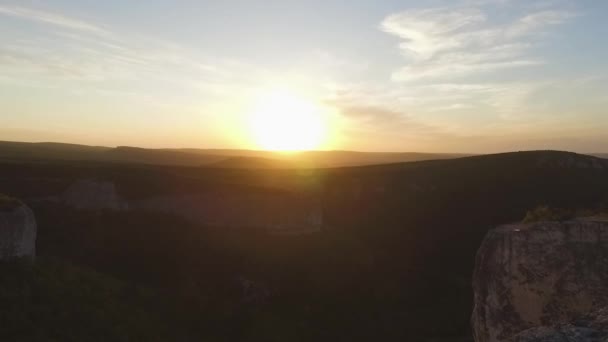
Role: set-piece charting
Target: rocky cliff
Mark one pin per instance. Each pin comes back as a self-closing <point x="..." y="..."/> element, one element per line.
<point x="17" y="230"/>
<point x="534" y="282"/>
<point x="590" y="328"/>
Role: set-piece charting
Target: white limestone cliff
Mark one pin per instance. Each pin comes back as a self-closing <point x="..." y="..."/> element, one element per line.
<point x="539" y="276"/>
<point x="17" y="230"/>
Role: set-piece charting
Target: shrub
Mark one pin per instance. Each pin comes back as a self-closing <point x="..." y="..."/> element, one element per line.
<point x="546" y="213"/>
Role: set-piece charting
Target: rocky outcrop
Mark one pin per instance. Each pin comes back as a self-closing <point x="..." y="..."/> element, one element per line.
<point x="17" y="230"/>
<point x="94" y="195"/>
<point x="532" y="281"/>
<point x="592" y="328"/>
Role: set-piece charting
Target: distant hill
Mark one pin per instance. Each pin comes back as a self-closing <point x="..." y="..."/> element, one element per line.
<point x="158" y="156"/>
<point x="252" y="163"/>
<point x="351" y="158"/>
<point x="224" y="158"/>
<point x="46" y="152"/>
<point x="600" y="155"/>
<point x="329" y="158"/>
<point x="49" y="151"/>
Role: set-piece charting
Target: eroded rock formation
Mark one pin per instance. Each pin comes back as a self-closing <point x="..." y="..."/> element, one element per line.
<point x="17" y="230"/>
<point x="533" y="282"/>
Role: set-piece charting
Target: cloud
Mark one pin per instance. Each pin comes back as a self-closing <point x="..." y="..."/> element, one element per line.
<point x="504" y="100"/>
<point x="462" y="41"/>
<point x="374" y="116"/>
<point x="535" y="21"/>
<point x="380" y="128"/>
<point x="429" y="31"/>
<point x="68" y="50"/>
<point x="51" y="18"/>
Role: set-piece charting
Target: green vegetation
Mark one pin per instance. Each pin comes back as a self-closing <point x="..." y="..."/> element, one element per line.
<point x="545" y="213"/>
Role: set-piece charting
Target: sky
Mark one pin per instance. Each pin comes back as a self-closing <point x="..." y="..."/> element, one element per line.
<point x="471" y="76"/>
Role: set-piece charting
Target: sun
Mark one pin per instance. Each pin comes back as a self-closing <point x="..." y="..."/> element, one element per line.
<point x="284" y="121"/>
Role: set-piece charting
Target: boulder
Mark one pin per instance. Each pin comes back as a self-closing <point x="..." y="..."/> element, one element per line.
<point x="17" y="230"/>
<point x="540" y="276"/>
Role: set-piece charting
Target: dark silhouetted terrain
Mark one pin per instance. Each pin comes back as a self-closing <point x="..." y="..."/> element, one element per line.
<point x="19" y="151"/>
<point x="392" y="259"/>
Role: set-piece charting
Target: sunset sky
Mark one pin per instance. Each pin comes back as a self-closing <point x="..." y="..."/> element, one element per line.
<point x="437" y="76"/>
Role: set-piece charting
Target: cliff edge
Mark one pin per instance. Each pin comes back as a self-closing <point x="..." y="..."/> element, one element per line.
<point x="533" y="282"/>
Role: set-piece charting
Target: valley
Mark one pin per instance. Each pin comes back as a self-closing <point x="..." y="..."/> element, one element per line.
<point x="282" y="254"/>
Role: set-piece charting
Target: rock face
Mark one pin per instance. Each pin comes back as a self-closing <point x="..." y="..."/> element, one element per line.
<point x="537" y="280"/>
<point x="94" y="195"/>
<point x="593" y="328"/>
<point x="17" y="232"/>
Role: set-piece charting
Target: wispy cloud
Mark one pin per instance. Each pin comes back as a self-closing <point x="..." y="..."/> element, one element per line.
<point x="51" y="18"/>
<point x="455" y="42"/>
<point x="534" y="22"/>
<point x="69" y="49"/>
<point x="427" y="32"/>
<point x="453" y="81"/>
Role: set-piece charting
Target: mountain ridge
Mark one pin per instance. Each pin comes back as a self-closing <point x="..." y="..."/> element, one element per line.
<point x="51" y="151"/>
